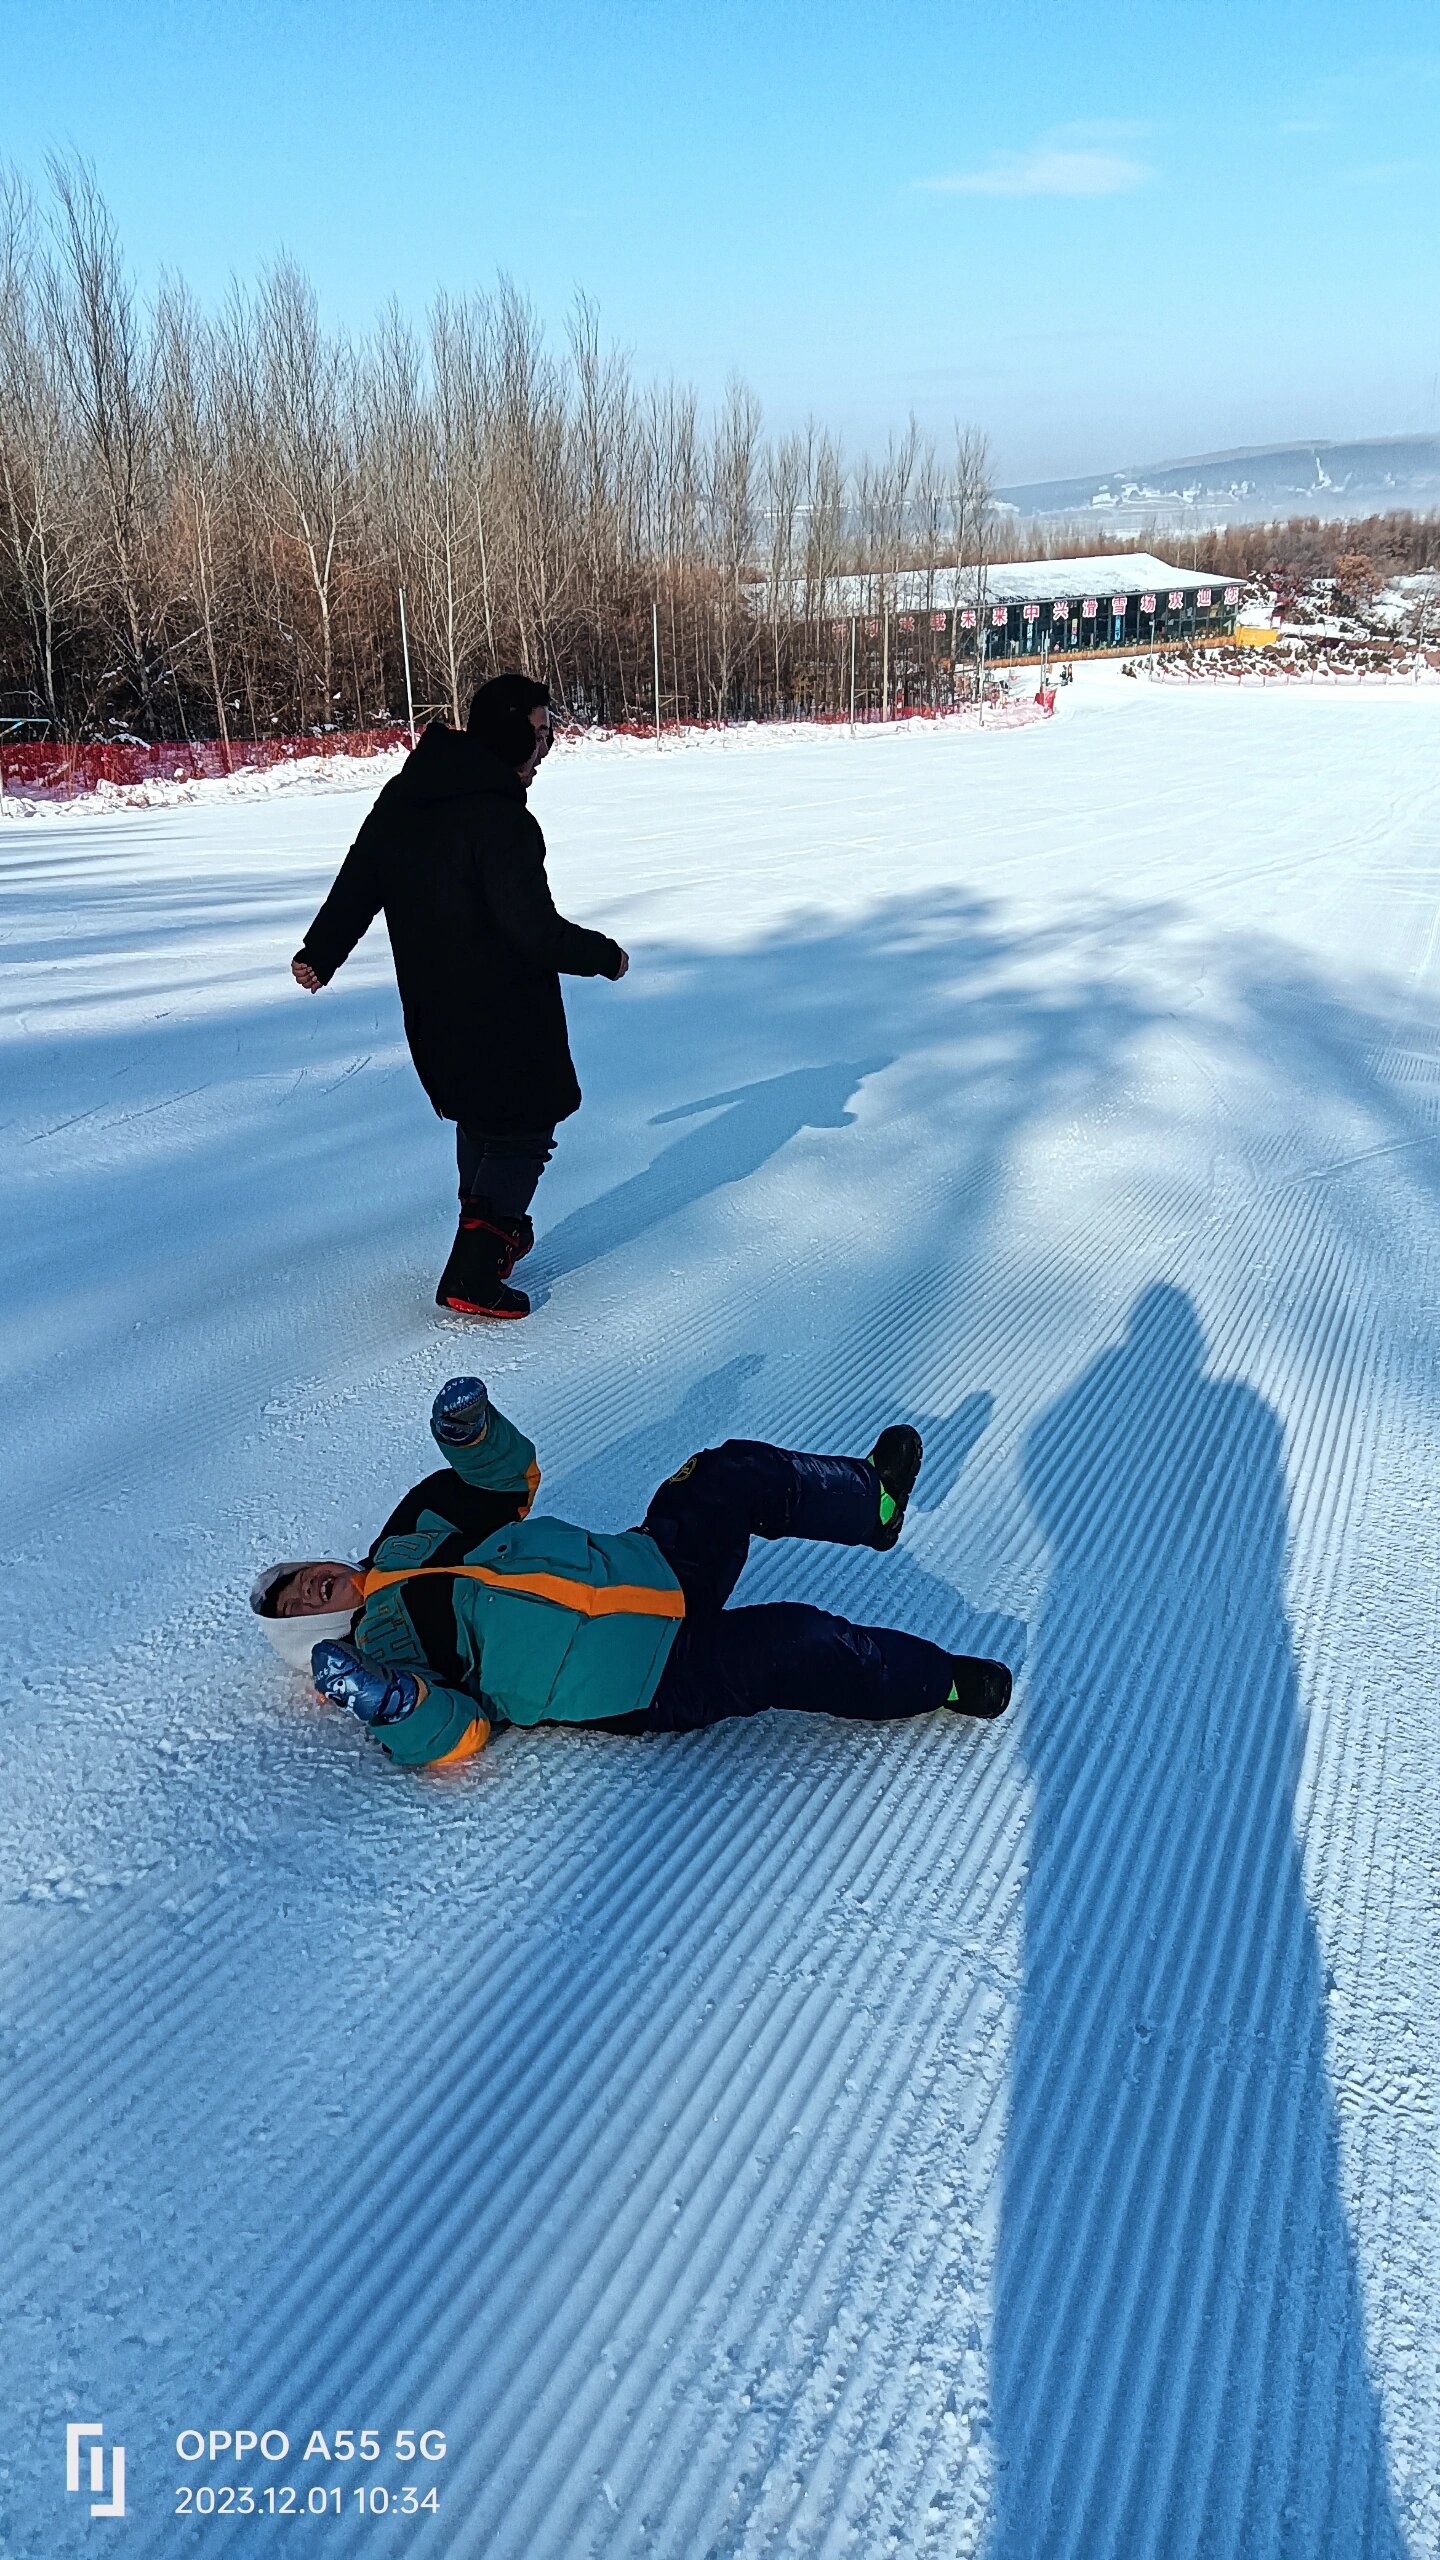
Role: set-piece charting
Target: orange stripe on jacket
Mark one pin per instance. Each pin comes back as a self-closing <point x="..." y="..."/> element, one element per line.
<point x="473" y="1739"/>
<point x="611" y="1600"/>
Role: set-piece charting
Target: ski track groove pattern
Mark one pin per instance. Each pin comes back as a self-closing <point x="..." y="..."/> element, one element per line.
<point x="824" y="2142"/>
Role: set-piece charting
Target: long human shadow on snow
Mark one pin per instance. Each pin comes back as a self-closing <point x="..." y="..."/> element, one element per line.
<point x="756" y="1121"/>
<point x="1179" y="2358"/>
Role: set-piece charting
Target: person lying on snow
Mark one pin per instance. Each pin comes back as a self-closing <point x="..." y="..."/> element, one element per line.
<point x="448" y="1634"/>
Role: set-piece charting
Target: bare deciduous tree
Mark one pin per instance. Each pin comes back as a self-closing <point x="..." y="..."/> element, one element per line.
<point x="107" y="355"/>
<point x="48" y="585"/>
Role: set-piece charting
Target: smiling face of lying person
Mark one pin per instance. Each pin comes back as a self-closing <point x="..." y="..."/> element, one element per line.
<point x="317" y="1590"/>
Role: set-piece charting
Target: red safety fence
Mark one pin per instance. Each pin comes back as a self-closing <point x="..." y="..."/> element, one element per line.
<point x="998" y="711"/>
<point x="56" y="770"/>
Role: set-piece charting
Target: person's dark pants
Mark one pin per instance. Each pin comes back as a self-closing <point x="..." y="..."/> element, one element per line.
<point x="504" y="1171"/>
<point x="739" y="1662"/>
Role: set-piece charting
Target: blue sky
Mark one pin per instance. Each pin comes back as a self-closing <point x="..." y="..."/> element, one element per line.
<point x="1104" y="233"/>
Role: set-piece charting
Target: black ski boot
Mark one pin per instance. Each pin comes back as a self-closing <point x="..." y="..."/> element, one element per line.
<point x="978" y="1688"/>
<point x="475" y="1280"/>
<point x="896" y="1460"/>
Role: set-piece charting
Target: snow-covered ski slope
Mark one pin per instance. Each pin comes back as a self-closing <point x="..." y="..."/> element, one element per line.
<point x="798" y="2139"/>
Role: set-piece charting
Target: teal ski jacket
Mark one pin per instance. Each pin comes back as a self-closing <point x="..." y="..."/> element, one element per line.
<point x="539" y="1623"/>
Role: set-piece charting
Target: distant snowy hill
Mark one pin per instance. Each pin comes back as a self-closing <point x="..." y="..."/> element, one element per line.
<point x="1247" y="486"/>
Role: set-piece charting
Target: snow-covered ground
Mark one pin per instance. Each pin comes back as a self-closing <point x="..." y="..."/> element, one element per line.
<point x="799" y="2138"/>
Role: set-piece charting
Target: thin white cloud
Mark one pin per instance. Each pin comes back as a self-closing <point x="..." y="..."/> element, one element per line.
<point x="1046" y="171"/>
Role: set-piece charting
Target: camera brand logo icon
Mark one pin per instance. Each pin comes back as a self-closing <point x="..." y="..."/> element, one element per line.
<point x="100" y="2505"/>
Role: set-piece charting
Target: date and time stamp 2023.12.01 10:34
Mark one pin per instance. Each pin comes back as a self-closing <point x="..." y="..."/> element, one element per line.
<point x="251" y="2471"/>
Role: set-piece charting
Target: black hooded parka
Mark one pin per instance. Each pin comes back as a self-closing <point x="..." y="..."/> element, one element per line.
<point x="453" y="856"/>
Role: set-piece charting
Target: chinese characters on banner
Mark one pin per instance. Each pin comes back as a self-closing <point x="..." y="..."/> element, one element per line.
<point x="998" y="613"/>
<point x="1202" y="596"/>
<point x="1232" y="595"/>
<point x="1088" y="608"/>
<point x="937" y="621"/>
<point x="1147" y="604"/>
<point x="1175" y="599"/>
<point x="1032" y="613"/>
<point x="967" y="619"/>
<point x="1117" y="605"/>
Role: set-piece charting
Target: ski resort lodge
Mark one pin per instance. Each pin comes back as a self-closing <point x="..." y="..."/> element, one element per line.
<point x="1033" y="608"/>
<point x="1128" y="600"/>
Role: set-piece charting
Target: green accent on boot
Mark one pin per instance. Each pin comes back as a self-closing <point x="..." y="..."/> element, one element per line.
<point x="888" y="1508"/>
<point x="954" y="1698"/>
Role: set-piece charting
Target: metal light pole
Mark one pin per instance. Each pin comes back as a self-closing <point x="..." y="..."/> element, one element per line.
<point x="852" y="675"/>
<point x="405" y="649"/>
<point x="655" y="644"/>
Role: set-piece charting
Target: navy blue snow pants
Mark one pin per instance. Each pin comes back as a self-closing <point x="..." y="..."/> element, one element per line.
<point x="737" y="1662"/>
<point x="504" y="1171"/>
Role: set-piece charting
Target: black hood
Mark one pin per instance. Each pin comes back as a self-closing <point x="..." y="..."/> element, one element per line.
<point x="448" y="764"/>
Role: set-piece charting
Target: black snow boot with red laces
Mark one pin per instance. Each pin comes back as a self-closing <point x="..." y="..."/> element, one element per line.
<point x="475" y="1280"/>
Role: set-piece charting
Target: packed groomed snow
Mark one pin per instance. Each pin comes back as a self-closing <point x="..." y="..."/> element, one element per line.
<point x="802" y="2138"/>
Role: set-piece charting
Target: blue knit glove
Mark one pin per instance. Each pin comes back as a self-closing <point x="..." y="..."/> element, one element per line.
<point x="460" y="1414"/>
<point x="370" y="1692"/>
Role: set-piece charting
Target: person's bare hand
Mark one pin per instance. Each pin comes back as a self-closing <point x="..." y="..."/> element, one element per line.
<point x="304" y="976"/>
<point x="624" y="965"/>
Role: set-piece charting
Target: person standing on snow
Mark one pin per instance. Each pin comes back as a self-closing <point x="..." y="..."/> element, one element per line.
<point x="453" y="856"/>
<point x="541" y="1623"/>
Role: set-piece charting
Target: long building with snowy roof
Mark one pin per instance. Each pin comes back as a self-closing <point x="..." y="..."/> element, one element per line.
<point x="1025" y="608"/>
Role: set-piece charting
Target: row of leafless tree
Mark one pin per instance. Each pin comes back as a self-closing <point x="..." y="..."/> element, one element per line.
<point x="1291" y="550"/>
<point x="207" y="522"/>
<point x="1306" y="547"/>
